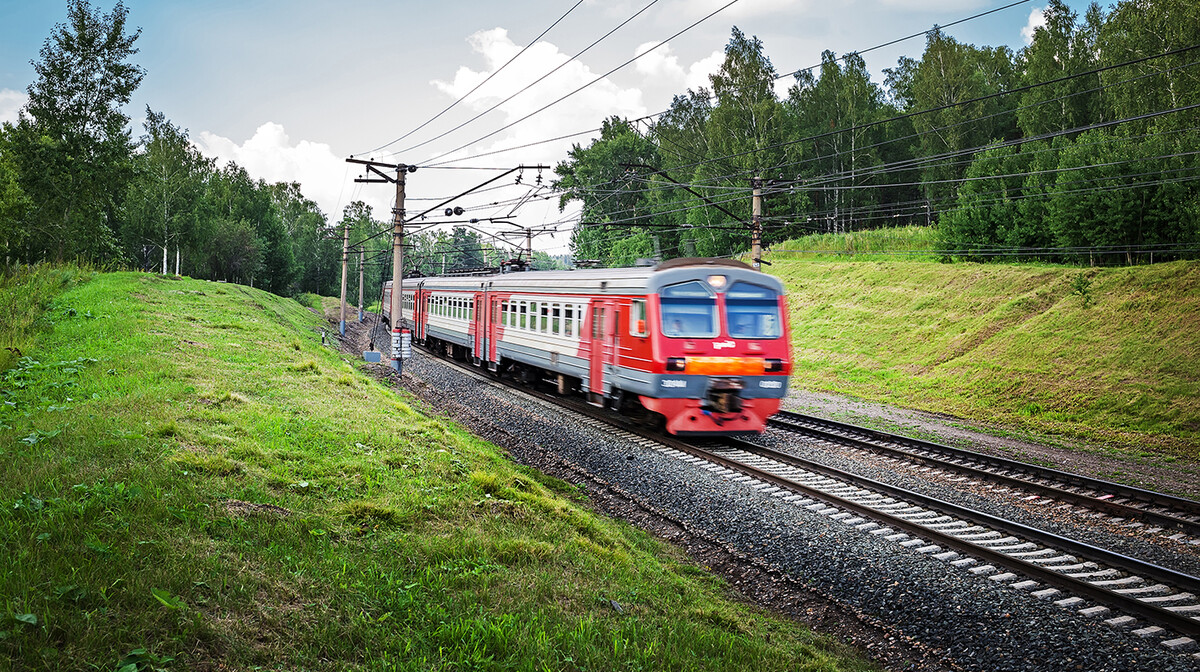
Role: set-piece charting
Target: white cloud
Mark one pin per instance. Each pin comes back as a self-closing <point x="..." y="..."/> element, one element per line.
<point x="587" y="107"/>
<point x="10" y="102"/>
<point x="662" y="66"/>
<point x="270" y="155"/>
<point x="1037" y="19"/>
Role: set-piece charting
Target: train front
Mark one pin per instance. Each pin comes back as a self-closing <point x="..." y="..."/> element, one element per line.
<point x="722" y="348"/>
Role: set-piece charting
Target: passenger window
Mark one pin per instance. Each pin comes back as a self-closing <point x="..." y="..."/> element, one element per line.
<point x="637" y="318"/>
<point x="568" y="322"/>
<point x="545" y="318"/>
<point x="524" y="309"/>
<point x="555" y="319"/>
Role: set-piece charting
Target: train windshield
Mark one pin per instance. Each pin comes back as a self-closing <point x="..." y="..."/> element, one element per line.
<point x="689" y="310"/>
<point x="752" y="311"/>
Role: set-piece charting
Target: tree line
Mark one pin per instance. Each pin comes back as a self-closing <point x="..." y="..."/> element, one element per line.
<point x="1081" y="145"/>
<point x="75" y="184"/>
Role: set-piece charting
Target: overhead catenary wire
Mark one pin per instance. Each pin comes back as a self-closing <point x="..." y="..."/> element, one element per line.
<point x="663" y="112"/>
<point x="585" y="86"/>
<point x="531" y="84"/>
<point x="480" y="84"/>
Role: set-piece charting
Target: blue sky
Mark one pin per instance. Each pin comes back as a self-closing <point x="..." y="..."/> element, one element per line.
<point x="289" y="89"/>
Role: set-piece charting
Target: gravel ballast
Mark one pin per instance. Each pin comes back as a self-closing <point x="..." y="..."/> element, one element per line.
<point x="906" y="606"/>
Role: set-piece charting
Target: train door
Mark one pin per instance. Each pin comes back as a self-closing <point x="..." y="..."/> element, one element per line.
<point x="420" y="306"/>
<point x="603" y="351"/>
<point x="478" y="316"/>
<point x="496" y="321"/>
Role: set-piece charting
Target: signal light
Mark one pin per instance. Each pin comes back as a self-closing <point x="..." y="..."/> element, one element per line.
<point x="772" y="365"/>
<point x="676" y="363"/>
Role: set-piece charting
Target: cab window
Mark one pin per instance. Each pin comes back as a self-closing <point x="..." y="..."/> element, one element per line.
<point x="689" y="310"/>
<point x="752" y="311"/>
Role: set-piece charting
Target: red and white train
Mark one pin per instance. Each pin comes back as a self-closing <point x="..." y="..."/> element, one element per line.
<point x="702" y="342"/>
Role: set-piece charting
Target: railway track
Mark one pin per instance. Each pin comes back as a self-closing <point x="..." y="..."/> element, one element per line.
<point x="1177" y="517"/>
<point x="1151" y="601"/>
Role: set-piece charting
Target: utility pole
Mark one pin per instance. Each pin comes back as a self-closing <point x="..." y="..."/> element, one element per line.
<point x="400" y="346"/>
<point x="756" y="224"/>
<point x="345" y="263"/>
<point x="361" y="251"/>
<point x="398" y="270"/>
<point x="529" y="245"/>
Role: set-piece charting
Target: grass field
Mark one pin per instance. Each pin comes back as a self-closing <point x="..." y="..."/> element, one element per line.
<point x="1108" y="354"/>
<point x="189" y="480"/>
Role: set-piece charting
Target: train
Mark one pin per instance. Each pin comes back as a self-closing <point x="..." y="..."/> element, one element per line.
<point x="696" y="346"/>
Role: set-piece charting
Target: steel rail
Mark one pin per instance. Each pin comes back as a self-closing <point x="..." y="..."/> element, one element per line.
<point x="1182" y="624"/>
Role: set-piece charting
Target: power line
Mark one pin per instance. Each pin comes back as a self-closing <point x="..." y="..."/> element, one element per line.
<point x="531" y="84"/>
<point x="659" y="114"/>
<point x="581" y="88"/>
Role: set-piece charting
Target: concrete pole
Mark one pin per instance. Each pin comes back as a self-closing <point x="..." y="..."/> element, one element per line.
<point x="176" y="260"/>
<point x="360" y="283"/>
<point x="529" y="246"/>
<point x="345" y="263"/>
<point x="398" y="267"/>
<point x="756" y="224"/>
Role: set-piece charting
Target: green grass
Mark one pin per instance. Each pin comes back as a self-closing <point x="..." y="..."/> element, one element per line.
<point x="1015" y="344"/>
<point x="907" y="242"/>
<point x="191" y="481"/>
<point x="26" y="294"/>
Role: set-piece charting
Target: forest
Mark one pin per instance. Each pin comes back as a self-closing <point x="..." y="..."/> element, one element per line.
<point x="1080" y="148"/>
<point x="76" y="185"/>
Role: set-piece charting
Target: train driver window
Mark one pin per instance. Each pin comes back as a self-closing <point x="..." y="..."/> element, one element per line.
<point x="689" y="310"/>
<point x="752" y="311"/>
<point x="637" y="318"/>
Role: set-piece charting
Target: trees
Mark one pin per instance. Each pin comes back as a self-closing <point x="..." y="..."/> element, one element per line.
<point x="72" y="145"/>
<point x="162" y="207"/>
<point x="599" y="176"/>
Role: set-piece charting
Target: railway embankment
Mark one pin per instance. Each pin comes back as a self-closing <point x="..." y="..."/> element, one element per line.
<point x="1094" y="360"/>
<point x="190" y="479"/>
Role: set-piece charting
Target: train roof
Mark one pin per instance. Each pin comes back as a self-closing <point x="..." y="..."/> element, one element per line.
<point x="639" y="280"/>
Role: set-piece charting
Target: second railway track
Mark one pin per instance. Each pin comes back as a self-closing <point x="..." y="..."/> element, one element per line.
<point x="1123" y="502"/>
<point x="1151" y="601"/>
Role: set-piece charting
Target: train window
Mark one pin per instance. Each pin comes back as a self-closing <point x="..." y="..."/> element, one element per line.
<point x="556" y="319"/>
<point x="637" y="318"/>
<point x="689" y="310"/>
<point x="504" y="313"/>
<point x="752" y="311"/>
<point x="545" y="315"/>
<point x="568" y="322"/>
<point x="597" y="322"/>
<point x="524" y="308"/>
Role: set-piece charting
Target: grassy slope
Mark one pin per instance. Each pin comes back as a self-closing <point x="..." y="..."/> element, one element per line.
<point x="157" y="408"/>
<point x="1008" y="343"/>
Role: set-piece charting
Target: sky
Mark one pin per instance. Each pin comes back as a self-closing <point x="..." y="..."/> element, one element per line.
<point x="289" y="89"/>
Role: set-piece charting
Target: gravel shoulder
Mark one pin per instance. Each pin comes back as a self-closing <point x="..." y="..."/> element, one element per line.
<point x="905" y="610"/>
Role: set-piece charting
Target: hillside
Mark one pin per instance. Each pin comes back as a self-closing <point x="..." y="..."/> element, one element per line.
<point x="191" y="480"/>
<point x="1106" y="354"/>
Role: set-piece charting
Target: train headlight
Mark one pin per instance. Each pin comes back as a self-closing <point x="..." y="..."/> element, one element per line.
<point x="717" y="282"/>
<point x="772" y="365"/>
<point x="676" y="363"/>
